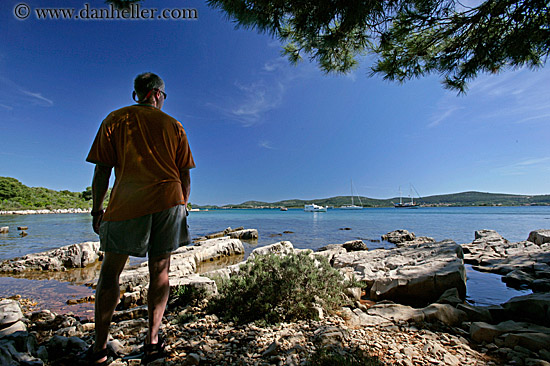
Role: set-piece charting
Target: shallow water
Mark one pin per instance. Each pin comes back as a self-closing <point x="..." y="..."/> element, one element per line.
<point x="303" y="229"/>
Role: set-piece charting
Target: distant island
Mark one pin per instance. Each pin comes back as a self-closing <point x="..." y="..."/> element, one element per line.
<point x="455" y="199"/>
<point x="14" y="195"/>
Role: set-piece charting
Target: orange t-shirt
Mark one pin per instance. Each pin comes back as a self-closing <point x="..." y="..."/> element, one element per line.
<point x="147" y="148"/>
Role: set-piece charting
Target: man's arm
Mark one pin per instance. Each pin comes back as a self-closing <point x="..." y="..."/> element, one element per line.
<point x="100" y="185"/>
<point x="185" y="178"/>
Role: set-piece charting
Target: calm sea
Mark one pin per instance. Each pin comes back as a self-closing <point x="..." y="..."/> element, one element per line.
<point x="304" y="229"/>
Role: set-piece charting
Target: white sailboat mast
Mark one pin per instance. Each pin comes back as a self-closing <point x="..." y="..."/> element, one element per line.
<point x="351" y="190"/>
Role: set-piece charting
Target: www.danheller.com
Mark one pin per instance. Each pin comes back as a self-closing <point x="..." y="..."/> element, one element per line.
<point x="134" y="12"/>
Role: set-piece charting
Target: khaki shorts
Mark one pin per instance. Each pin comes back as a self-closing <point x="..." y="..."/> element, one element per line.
<point x="153" y="235"/>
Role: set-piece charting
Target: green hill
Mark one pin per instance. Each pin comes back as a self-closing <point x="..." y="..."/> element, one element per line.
<point x="486" y="199"/>
<point x="14" y="195"/>
<point x="456" y="199"/>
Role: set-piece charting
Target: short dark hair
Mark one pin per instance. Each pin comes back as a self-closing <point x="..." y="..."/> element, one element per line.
<point x="145" y="82"/>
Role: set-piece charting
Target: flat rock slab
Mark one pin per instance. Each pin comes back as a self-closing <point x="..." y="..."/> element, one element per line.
<point x="524" y="264"/>
<point x="185" y="260"/>
<point x="60" y="259"/>
<point x="513" y="333"/>
<point x="534" y="308"/>
<point x="444" y="313"/>
<point x="413" y="275"/>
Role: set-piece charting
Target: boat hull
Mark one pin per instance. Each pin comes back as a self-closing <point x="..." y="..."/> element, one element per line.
<point x="351" y="208"/>
<point x="405" y="205"/>
<point x="315" y="208"/>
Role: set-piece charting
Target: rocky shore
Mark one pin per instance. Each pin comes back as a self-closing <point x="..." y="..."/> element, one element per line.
<point x="45" y="211"/>
<point x="411" y="311"/>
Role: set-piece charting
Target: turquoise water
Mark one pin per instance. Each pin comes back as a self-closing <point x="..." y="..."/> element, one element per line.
<point x="308" y="230"/>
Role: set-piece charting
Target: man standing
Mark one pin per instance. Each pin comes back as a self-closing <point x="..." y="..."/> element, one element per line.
<point x="147" y="210"/>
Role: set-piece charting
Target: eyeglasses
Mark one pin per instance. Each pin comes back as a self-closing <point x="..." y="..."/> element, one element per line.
<point x="163" y="93"/>
<point x="148" y="95"/>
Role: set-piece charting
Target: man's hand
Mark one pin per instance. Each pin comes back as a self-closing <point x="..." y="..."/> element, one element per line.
<point x="96" y="222"/>
<point x="185" y="178"/>
<point x="100" y="184"/>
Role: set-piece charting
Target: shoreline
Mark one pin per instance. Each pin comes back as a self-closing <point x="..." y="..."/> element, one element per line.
<point x="46" y="211"/>
<point x="209" y="208"/>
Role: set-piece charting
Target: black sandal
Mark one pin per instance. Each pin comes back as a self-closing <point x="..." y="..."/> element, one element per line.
<point x="153" y="352"/>
<point x="91" y="357"/>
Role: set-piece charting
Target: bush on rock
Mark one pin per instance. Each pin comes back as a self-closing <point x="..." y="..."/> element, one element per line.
<point x="273" y="288"/>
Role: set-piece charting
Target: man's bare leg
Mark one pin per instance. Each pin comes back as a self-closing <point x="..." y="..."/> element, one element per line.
<point x="157" y="296"/>
<point x="107" y="295"/>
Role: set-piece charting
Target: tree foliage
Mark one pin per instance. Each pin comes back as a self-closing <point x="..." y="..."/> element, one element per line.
<point x="14" y="195"/>
<point x="408" y="38"/>
<point x="10" y="188"/>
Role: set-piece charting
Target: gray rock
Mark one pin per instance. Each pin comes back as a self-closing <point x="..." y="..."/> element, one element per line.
<point x="445" y="313"/>
<point x="488" y="235"/>
<point x="185" y="260"/>
<point x="7" y="349"/>
<point x="355" y="245"/>
<point x="524" y="264"/>
<point x="57" y="346"/>
<point x="532" y="341"/>
<point x="246" y="234"/>
<point x="331" y="336"/>
<point x="198" y="282"/>
<point x="451" y="297"/>
<point x="70" y="256"/>
<point x="223" y="233"/>
<point x="398" y="236"/>
<point x="42" y="316"/>
<point x="358" y="318"/>
<point x="129" y="314"/>
<point x="131" y="299"/>
<point x="10" y="312"/>
<point x="353" y="293"/>
<point x="396" y="312"/>
<point x="418" y="240"/>
<point x="282" y="247"/>
<point x="271" y="350"/>
<point x="518" y="278"/>
<point x="414" y="274"/>
<point x="483" y="332"/>
<point x="539" y="236"/>
<point x="330" y="251"/>
<point x="476" y="313"/>
<point x="18" y="326"/>
<point x="132" y="327"/>
<point x="23" y="342"/>
<point x="534" y="308"/>
<point x="366" y="320"/>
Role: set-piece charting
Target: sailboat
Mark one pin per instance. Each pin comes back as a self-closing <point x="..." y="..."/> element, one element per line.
<point x="402" y="204"/>
<point x="352" y="206"/>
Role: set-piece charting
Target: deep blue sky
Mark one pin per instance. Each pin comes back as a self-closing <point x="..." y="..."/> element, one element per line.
<point x="259" y="128"/>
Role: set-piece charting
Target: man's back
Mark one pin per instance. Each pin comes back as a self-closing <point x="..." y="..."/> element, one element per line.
<point x="147" y="148"/>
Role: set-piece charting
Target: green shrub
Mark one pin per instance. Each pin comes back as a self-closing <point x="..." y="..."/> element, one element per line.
<point x="273" y="288"/>
<point x="186" y="295"/>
